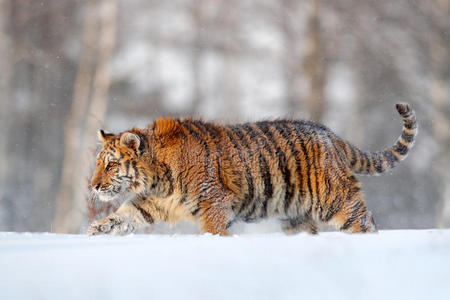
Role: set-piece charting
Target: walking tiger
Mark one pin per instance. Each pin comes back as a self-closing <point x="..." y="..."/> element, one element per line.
<point x="298" y="172"/>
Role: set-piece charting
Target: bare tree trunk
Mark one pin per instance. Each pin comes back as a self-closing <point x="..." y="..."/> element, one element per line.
<point x="80" y="129"/>
<point x="75" y="121"/>
<point x="440" y="97"/>
<point x="97" y="109"/>
<point x="5" y="95"/>
<point x="315" y="63"/>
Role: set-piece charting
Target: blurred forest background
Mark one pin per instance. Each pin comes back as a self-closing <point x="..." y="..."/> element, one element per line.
<point x="68" y="68"/>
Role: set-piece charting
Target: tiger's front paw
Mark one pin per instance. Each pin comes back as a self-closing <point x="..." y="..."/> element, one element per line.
<point x="113" y="224"/>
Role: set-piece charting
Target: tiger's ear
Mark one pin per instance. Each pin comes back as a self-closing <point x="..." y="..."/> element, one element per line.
<point x="102" y="136"/>
<point x="166" y="127"/>
<point x="130" y="140"/>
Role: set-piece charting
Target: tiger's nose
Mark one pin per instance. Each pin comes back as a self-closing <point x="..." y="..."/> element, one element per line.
<point x="96" y="186"/>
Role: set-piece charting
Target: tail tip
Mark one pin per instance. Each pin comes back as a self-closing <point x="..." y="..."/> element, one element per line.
<point x="403" y="109"/>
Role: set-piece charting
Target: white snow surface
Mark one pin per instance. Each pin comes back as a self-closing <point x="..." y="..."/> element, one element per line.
<point x="397" y="264"/>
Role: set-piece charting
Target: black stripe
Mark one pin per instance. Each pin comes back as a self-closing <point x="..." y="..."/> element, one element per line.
<point x="212" y="131"/>
<point x="168" y="176"/>
<point x="236" y="130"/>
<point x="196" y="210"/>
<point x="369" y="162"/>
<point x="288" y="131"/>
<point x="248" y="176"/>
<point x="298" y="132"/>
<point x="363" y="223"/>
<point x="142" y="143"/>
<point x="407" y="137"/>
<point x="200" y="125"/>
<point x="354" y="156"/>
<point x="390" y="158"/>
<point x="264" y="167"/>
<point x="378" y="163"/>
<point x="328" y="184"/>
<point x="342" y="150"/>
<point x="181" y="187"/>
<point x="285" y="131"/>
<point x="186" y="124"/>
<point x="184" y="195"/>
<point x="263" y="127"/>
<point x="219" y="174"/>
<point x="401" y="149"/>
<point x="282" y="165"/>
<point x="127" y="166"/>
<point x="332" y="138"/>
<point x="249" y="216"/>
<point x="136" y="172"/>
<point x="353" y="191"/>
<point x="403" y="109"/>
<point x="229" y="224"/>
<point x="316" y="156"/>
<point x="410" y="124"/>
<point x="309" y="211"/>
<point x="148" y="218"/>
<point x="353" y="216"/>
<point x="215" y="136"/>
<point x="364" y="160"/>
<point x="266" y="137"/>
<point x="333" y="209"/>
<point x="204" y="188"/>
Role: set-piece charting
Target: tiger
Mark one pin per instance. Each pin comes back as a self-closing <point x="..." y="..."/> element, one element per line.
<point x="296" y="171"/>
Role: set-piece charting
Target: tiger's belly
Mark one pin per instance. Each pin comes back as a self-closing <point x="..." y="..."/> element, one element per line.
<point x="278" y="206"/>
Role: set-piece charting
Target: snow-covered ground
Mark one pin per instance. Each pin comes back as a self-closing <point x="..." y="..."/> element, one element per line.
<point x="403" y="264"/>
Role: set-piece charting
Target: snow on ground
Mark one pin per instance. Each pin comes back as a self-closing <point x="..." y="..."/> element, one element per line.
<point x="401" y="264"/>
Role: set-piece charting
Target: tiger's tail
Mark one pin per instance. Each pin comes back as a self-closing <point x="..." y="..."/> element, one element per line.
<point x="372" y="163"/>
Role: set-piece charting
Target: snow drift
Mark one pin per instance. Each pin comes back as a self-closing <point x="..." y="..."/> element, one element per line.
<point x="402" y="264"/>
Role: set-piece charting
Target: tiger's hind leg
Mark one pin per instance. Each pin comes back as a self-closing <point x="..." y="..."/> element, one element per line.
<point x="299" y="224"/>
<point x="353" y="216"/>
<point x="347" y="210"/>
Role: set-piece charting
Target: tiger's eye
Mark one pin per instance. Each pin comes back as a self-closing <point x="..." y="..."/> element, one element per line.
<point x="111" y="165"/>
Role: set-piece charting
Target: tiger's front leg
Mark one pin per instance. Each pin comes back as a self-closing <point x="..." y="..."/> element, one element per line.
<point x="129" y="217"/>
<point x="216" y="214"/>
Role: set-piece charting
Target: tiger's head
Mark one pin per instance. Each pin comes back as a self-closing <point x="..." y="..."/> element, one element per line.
<point x="125" y="165"/>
